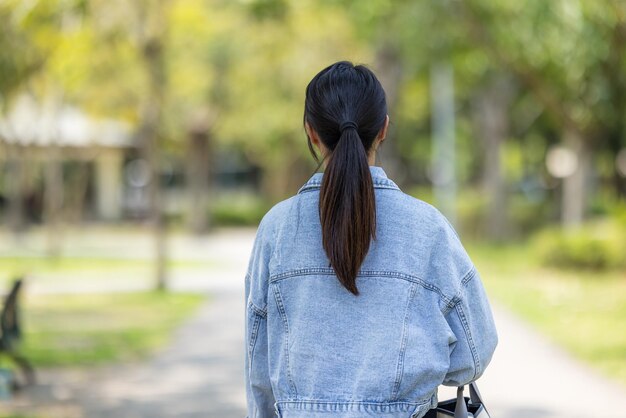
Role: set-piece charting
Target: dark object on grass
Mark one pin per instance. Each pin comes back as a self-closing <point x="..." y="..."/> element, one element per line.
<point x="11" y="335"/>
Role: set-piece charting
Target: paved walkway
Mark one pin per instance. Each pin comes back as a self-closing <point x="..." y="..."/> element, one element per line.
<point x="200" y="374"/>
<point x="532" y="378"/>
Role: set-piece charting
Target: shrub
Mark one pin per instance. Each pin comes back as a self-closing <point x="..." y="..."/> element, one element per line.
<point x="528" y="216"/>
<point x="469" y="206"/>
<point x="241" y="209"/>
<point x="595" y="246"/>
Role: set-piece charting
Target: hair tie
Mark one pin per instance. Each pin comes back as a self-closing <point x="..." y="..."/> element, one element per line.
<point x="348" y="125"/>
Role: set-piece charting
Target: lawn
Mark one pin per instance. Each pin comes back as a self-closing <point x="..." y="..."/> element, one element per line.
<point x="79" y="269"/>
<point x="584" y="311"/>
<point x="3" y="415"/>
<point x="72" y="264"/>
<point x="64" y="330"/>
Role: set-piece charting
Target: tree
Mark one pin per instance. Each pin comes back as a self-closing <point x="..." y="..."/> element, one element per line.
<point x="151" y="28"/>
<point x="19" y="60"/>
<point x="571" y="69"/>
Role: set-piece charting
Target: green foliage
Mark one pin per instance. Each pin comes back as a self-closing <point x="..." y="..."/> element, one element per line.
<point x="525" y="216"/>
<point x="596" y="246"/>
<point x="470" y="206"/>
<point x="243" y="209"/>
<point x="19" y="58"/>
<point x="422" y="192"/>
<point x="606" y="204"/>
<point x="69" y="330"/>
<point x="237" y="71"/>
<point x="268" y="9"/>
<point x="619" y="213"/>
<point x="528" y="215"/>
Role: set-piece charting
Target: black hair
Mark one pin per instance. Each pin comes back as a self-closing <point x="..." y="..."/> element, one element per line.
<point x="345" y="105"/>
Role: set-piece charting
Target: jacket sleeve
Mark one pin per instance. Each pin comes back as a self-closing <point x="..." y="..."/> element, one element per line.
<point x="259" y="394"/>
<point x="471" y="321"/>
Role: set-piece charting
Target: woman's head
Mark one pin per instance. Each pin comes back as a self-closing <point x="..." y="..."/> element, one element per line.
<point x="344" y="93"/>
<point x="345" y="115"/>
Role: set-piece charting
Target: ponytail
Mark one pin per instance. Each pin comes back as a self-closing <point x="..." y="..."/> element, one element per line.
<point x="345" y="105"/>
<point x="347" y="208"/>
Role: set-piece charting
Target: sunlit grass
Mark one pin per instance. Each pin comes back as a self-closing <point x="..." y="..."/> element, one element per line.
<point x="71" y="269"/>
<point x="2" y="415"/>
<point x="62" y="330"/>
<point x="13" y="264"/>
<point x="584" y="311"/>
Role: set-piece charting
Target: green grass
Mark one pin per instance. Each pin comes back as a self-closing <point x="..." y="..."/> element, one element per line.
<point x="81" y="269"/>
<point x="69" y="330"/>
<point x="2" y="415"/>
<point x="584" y="311"/>
<point x="15" y="265"/>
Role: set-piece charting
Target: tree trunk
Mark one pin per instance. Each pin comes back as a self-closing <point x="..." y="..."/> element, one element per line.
<point x="443" y="147"/>
<point x="575" y="187"/>
<point x="53" y="200"/>
<point x="275" y="180"/>
<point x="13" y="183"/>
<point x="151" y="45"/>
<point x="76" y="193"/>
<point x="389" y="70"/>
<point x="198" y="181"/>
<point x="493" y="127"/>
<point x="151" y="153"/>
<point x="109" y="166"/>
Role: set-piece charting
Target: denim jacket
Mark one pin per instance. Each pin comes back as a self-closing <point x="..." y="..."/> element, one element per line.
<point x="315" y="350"/>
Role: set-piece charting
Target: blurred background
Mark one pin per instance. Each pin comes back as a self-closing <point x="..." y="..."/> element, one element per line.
<point x="141" y="143"/>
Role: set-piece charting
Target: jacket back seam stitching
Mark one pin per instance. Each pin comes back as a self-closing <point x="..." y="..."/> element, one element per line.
<point x="400" y="366"/>
<point x="470" y="340"/>
<point x="261" y="312"/>
<point x="372" y="403"/>
<point x="469" y="275"/>
<point x="253" y="338"/>
<point x="283" y="316"/>
<point x="364" y="273"/>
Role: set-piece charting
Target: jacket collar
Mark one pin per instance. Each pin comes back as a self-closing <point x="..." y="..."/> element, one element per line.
<point x="379" y="178"/>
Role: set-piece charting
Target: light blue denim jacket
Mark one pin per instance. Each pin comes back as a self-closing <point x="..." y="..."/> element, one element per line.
<point x="315" y="350"/>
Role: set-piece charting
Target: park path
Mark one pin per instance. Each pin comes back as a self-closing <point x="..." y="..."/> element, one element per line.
<point x="200" y="374"/>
